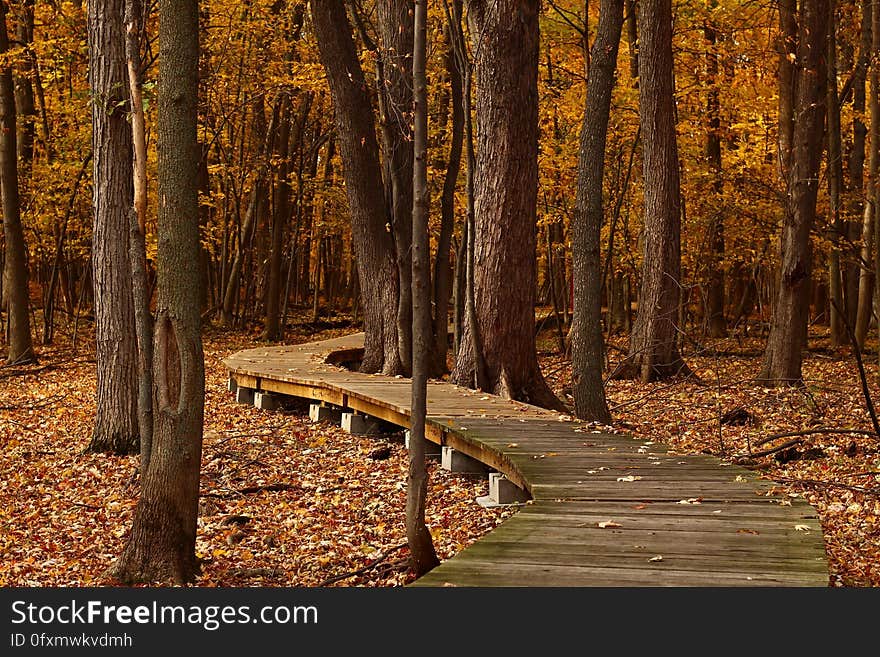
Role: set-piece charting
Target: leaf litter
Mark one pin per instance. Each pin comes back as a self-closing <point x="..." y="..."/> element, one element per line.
<point x="284" y="502"/>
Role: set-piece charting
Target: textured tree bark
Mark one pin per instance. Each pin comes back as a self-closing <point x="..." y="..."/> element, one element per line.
<point x="24" y="88"/>
<point x="867" y="277"/>
<point x="857" y="165"/>
<point x="371" y="232"/>
<point x="395" y="22"/>
<point x="422" y="555"/>
<point x="137" y="248"/>
<point x="21" y="349"/>
<point x="717" y="325"/>
<point x="116" y="419"/>
<point x="442" y="270"/>
<point x="587" y="350"/>
<point x="505" y="34"/>
<point x="874" y="162"/>
<point x="788" y="325"/>
<point x="653" y="352"/>
<point x="632" y="38"/>
<point x="786" y="45"/>
<point x="161" y="544"/>
<point x="835" y="184"/>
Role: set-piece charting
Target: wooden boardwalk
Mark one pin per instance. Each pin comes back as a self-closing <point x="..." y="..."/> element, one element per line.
<point x="606" y="510"/>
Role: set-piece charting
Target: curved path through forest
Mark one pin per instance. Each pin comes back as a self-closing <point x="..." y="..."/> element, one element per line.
<point x="606" y="510"/>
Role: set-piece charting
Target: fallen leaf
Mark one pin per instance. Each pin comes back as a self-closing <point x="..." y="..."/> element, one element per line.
<point x="608" y="524"/>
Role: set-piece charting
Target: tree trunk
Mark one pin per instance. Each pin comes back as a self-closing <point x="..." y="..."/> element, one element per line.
<point x="137" y="248"/>
<point x="24" y="88"/>
<point x="874" y="162"/>
<point x="788" y="325"/>
<point x="856" y="165"/>
<point x="422" y="555"/>
<point x="587" y="349"/>
<point x="653" y="352"/>
<point x="161" y="545"/>
<point x="395" y="24"/>
<point x="632" y="39"/>
<point x="116" y="420"/>
<point x="787" y="44"/>
<point x="835" y="184"/>
<point x="356" y="137"/>
<point x="21" y="348"/>
<point x="717" y="324"/>
<point x="280" y="216"/>
<point x="867" y="277"/>
<point x="442" y="270"/>
<point x="505" y="36"/>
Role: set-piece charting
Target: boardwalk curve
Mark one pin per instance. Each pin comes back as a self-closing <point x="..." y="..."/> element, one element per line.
<point x="606" y="510"/>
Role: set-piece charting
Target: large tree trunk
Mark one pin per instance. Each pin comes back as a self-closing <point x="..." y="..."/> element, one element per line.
<point x="653" y="352"/>
<point x="717" y="325"/>
<point x="161" y="545"/>
<point x="422" y="555"/>
<point x="395" y="21"/>
<point x="356" y="139"/>
<point x="21" y="348"/>
<point x="116" y="420"/>
<point x="505" y="236"/>
<point x="788" y="326"/>
<point x="587" y="352"/>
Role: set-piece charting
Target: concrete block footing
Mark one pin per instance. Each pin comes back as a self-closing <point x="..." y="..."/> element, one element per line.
<point x="323" y="413"/>
<point x="358" y="424"/>
<point x="503" y="491"/>
<point x="266" y="401"/>
<point x="244" y="395"/>
<point x="455" y="461"/>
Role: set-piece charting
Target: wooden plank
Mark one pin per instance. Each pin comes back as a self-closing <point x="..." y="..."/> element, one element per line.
<point x="757" y="509"/>
<point x="563" y="554"/>
<point x="307" y="392"/>
<point x="474" y="572"/>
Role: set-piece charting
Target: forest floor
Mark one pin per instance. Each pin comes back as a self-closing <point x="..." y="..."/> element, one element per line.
<point x="289" y="503"/>
<point x="284" y="502"/>
<point x="838" y="473"/>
